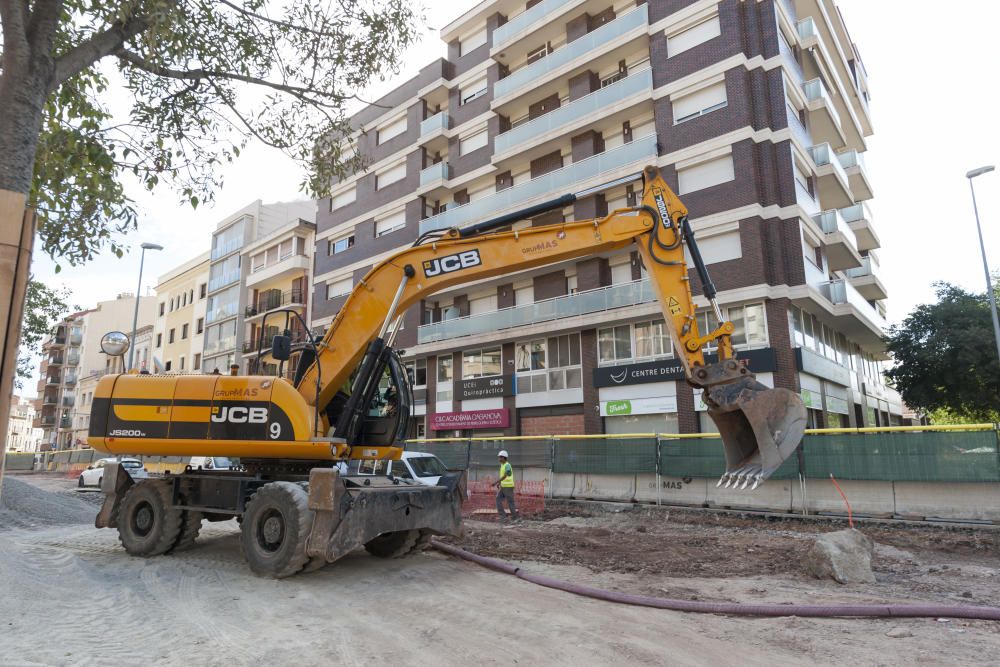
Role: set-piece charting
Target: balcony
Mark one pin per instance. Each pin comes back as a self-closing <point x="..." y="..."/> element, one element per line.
<point x="635" y="154"/>
<point x="581" y="303"/>
<point x="57" y="341"/>
<point x="52" y="381"/>
<point x="841" y="246"/>
<point x="68" y="401"/>
<point x="224" y="345"/>
<point x="56" y="360"/>
<point x="854" y="316"/>
<point x="853" y="163"/>
<point x="865" y="279"/>
<point x="72" y="359"/>
<point x="289" y="266"/>
<point x="434" y="131"/>
<point x="859" y="219"/>
<point x="274" y="299"/>
<point x="434" y="179"/>
<point x="76" y="338"/>
<point x="568" y="117"/>
<point x="70" y="380"/>
<point x="222" y="312"/>
<point x="524" y="24"/>
<point x="65" y="422"/>
<point x="48" y="399"/>
<point x="833" y="186"/>
<point x="47" y="420"/>
<point x="824" y="120"/>
<point x="561" y="60"/>
<point x="225" y="280"/>
<point x="251" y="346"/>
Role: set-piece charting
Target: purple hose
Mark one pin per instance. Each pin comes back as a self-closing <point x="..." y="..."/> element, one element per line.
<point x="814" y="610"/>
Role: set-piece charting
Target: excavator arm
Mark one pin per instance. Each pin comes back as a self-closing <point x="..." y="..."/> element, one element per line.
<point x="759" y="426"/>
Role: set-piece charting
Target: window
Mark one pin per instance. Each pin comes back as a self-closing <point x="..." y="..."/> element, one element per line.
<point x="170" y="337"/>
<point x="390" y="175"/>
<point x="258" y="262"/>
<point x="168" y="365"/>
<point x="393" y="128"/>
<point x="693" y="36"/>
<point x="614" y="344"/>
<point x="473" y="90"/>
<point x="184" y="299"/>
<point x="417" y="371"/>
<point x="524" y="296"/>
<point x="705" y="174"/>
<point x="480" y="363"/>
<point x="191" y="297"/>
<point x="203" y="290"/>
<point x="473" y="142"/>
<point x="344" y="198"/>
<point x="180" y="365"/>
<point x="337" y="246"/>
<point x="163" y="307"/>
<point x="171" y="305"/>
<point x="159" y="340"/>
<point x="390" y="224"/>
<point x="749" y="327"/>
<point x="184" y="331"/>
<point x="486" y="304"/>
<point x="621" y="270"/>
<point x="548" y="364"/>
<point x="700" y="102"/>
<point x="200" y="325"/>
<point x="801" y="179"/>
<point x="444" y="369"/>
<point x="472" y="42"/>
<point x="652" y="340"/>
<point x="340" y="287"/>
<point x="197" y="362"/>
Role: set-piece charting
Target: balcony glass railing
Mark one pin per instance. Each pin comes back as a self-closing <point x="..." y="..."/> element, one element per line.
<point x="579" y="48"/>
<point x="592" y="301"/>
<point x="224" y="280"/>
<point x="815" y="276"/>
<point x="636" y="152"/>
<point x="520" y="22"/>
<point x="841" y="291"/>
<point x="867" y="268"/>
<point x="807" y="29"/>
<point x="220" y="345"/>
<point x="223" y="249"/>
<point x="438" y="121"/>
<point x="823" y="155"/>
<point x="222" y="311"/>
<point x="832" y="222"/>
<point x="815" y="91"/>
<point x="789" y="57"/>
<point x="856" y="213"/>
<point x="588" y="107"/>
<point x="69" y="380"/>
<point x="850" y="159"/>
<point x="433" y="173"/>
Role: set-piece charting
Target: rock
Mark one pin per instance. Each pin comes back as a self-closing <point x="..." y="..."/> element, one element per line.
<point x="844" y="556"/>
<point x="899" y="633"/>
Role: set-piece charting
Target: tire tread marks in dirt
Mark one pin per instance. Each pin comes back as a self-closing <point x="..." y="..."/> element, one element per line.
<point x="154" y="498"/>
<point x="291" y="501"/>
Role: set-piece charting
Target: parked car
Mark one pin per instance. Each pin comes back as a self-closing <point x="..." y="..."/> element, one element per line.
<point x="211" y="463"/>
<point x="94" y="474"/>
<point x="417" y="466"/>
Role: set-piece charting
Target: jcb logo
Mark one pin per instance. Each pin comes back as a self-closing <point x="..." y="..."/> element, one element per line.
<point x="450" y="263"/>
<point x="661" y="206"/>
<point x="240" y="415"/>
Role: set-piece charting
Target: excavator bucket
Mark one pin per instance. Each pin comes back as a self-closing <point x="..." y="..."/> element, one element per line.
<point x="760" y="428"/>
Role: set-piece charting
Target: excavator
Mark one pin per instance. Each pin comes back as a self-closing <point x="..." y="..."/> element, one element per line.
<point x="298" y="506"/>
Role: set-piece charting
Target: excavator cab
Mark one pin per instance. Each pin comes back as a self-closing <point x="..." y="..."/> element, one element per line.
<point x="388" y="414"/>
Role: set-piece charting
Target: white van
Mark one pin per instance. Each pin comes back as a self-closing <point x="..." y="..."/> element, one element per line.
<point x="211" y="463"/>
<point x="420" y="467"/>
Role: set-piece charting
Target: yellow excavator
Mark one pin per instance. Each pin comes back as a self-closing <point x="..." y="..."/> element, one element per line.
<point x="298" y="506"/>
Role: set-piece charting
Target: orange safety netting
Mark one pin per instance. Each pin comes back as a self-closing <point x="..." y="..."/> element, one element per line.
<point x="481" y="501"/>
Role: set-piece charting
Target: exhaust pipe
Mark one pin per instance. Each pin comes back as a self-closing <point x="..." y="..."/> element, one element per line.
<point x="760" y="428"/>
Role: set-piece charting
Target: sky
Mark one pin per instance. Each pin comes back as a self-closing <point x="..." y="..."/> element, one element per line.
<point x="933" y="78"/>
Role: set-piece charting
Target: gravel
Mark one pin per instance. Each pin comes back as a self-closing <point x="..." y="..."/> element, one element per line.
<point x="26" y="506"/>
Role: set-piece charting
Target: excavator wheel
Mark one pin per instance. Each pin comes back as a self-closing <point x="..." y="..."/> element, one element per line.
<point x="190" y="527"/>
<point x="275" y="527"/>
<point x="147" y="524"/>
<point x="393" y="545"/>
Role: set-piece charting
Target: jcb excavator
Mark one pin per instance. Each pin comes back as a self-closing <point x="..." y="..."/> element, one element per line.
<point x="297" y="506"/>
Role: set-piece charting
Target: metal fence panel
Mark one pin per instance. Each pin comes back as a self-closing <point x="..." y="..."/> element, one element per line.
<point x="523" y="453"/>
<point x="705" y="457"/>
<point x="605" y="455"/>
<point x="932" y="456"/>
<point x="454" y="455"/>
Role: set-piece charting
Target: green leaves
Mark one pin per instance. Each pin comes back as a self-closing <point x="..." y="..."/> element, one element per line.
<point x="946" y="359"/>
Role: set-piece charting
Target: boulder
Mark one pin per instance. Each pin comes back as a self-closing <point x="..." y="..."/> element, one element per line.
<point x="844" y="556"/>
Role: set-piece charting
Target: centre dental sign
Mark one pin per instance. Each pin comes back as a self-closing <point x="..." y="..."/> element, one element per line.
<point x="758" y="361"/>
<point x="449" y="421"/>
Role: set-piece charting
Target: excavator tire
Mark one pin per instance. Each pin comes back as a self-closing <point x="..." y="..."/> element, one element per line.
<point x="393" y="545"/>
<point x="275" y="527"/>
<point x="190" y="526"/>
<point x="147" y="524"/>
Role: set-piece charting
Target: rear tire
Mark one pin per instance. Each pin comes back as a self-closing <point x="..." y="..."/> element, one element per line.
<point x="393" y="545"/>
<point x="276" y="524"/>
<point x="190" y="526"/>
<point x="147" y="524"/>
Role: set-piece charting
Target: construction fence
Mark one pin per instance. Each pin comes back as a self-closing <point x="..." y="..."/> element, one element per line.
<point x="968" y="453"/>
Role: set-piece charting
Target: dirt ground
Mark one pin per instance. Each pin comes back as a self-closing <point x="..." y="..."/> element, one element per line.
<point x="70" y="595"/>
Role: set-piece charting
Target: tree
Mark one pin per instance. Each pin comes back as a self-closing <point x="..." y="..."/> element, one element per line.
<point x="44" y="307"/>
<point x="186" y="65"/>
<point x="946" y="360"/>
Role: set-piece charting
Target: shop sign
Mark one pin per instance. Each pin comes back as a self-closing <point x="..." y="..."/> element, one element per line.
<point x="758" y="361"/>
<point x="448" y="421"/>
<point x="488" y="387"/>
<point x="639" y="406"/>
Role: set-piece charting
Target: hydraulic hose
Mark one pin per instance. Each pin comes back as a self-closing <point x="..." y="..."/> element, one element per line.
<point x="732" y="608"/>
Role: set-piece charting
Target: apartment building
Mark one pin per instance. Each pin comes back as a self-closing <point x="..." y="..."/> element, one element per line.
<point x="279" y="280"/>
<point x="227" y="294"/>
<point x="179" y="328"/>
<point x="757" y="113"/>
<point x="22" y="435"/>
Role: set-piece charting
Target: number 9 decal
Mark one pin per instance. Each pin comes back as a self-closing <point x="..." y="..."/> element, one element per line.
<point x="275" y="430"/>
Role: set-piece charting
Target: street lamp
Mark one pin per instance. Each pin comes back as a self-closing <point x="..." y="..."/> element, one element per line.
<point x="138" y="293"/>
<point x="982" y="247"/>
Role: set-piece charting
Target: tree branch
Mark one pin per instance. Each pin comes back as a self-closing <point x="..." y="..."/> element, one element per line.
<point x="102" y="44"/>
<point x="280" y="24"/>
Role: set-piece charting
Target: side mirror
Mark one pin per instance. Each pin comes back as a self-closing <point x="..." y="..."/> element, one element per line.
<point x="281" y="348"/>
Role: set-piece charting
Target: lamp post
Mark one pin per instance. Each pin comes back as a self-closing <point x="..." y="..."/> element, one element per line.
<point x="982" y="248"/>
<point x="138" y="293"/>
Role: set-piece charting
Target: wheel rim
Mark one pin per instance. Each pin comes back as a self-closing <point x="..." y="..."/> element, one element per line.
<point x="143" y="519"/>
<point x="271" y="531"/>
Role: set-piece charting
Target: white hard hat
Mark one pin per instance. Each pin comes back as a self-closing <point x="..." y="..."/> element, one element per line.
<point x="503" y="453"/>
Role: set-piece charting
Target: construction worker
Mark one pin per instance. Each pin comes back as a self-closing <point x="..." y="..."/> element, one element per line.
<point x="234" y="369"/>
<point x="505" y="488"/>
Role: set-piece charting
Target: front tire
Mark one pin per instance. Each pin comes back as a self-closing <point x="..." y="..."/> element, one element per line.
<point x="275" y="526"/>
<point x="147" y="524"/>
<point x="79" y="482"/>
